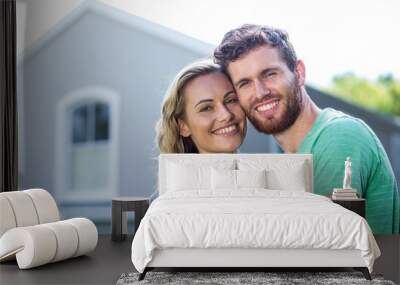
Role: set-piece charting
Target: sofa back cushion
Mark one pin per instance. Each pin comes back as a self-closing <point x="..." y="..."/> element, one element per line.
<point x="26" y="208"/>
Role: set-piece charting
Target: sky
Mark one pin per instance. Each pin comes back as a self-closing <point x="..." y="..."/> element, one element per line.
<point x="331" y="37"/>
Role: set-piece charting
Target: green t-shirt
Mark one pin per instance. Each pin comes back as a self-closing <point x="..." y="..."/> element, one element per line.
<point x="336" y="136"/>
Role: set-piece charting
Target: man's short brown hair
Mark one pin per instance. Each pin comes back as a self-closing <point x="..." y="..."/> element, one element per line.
<point x="240" y="41"/>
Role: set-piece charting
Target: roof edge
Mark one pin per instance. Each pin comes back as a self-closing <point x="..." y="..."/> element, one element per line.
<point x="120" y="16"/>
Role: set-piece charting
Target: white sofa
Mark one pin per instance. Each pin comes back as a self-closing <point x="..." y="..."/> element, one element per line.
<point x="31" y="231"/>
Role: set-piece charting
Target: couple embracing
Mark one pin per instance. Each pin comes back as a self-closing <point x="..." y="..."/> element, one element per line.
<point x="256" y="74"/>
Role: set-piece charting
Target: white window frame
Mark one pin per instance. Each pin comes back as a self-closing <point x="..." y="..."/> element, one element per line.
<point x="81" y="96"/>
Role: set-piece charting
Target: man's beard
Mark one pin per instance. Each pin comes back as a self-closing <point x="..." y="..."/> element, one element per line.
<point x="292" y="108"/>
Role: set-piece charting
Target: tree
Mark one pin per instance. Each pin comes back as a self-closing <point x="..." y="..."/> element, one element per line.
<point x="382" y="94"/>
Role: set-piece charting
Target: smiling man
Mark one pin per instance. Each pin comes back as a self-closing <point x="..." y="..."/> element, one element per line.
<point x="270" y="83"/>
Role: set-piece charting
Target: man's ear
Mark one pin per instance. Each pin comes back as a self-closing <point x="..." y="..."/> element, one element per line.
<point x="184" y="130"/>
<point x="300" y="72"/>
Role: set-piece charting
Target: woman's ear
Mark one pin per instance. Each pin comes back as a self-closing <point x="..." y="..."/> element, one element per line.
<point x="184" y="130"/>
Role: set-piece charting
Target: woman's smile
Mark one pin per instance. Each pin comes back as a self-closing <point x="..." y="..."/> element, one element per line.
<point x="229" y="130"/>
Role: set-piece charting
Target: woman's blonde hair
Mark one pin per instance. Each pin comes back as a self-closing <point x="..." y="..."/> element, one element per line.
<point x="169" y="139"/>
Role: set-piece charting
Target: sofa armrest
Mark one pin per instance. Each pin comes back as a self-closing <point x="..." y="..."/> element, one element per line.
<point x="40" y="244"/>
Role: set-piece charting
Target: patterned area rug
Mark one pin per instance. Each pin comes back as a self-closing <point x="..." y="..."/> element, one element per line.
<point x="229" y="278"/>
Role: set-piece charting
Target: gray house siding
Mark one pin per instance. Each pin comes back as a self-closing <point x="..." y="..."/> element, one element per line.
<point x="95" y="50"/>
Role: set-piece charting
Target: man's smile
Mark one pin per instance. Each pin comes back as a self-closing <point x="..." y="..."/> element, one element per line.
<point x="267" y="108"/>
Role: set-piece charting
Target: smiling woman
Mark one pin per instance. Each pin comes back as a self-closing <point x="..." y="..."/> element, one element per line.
<point x="201" y="113"/>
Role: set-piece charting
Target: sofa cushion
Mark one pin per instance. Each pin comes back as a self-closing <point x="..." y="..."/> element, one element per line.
<point x="40" y="244"/>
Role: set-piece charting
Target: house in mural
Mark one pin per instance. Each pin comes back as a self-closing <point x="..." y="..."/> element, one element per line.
<point x="89" y="97"/>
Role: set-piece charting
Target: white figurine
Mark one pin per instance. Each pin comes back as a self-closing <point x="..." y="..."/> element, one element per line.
<point x="347" y="174"/>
